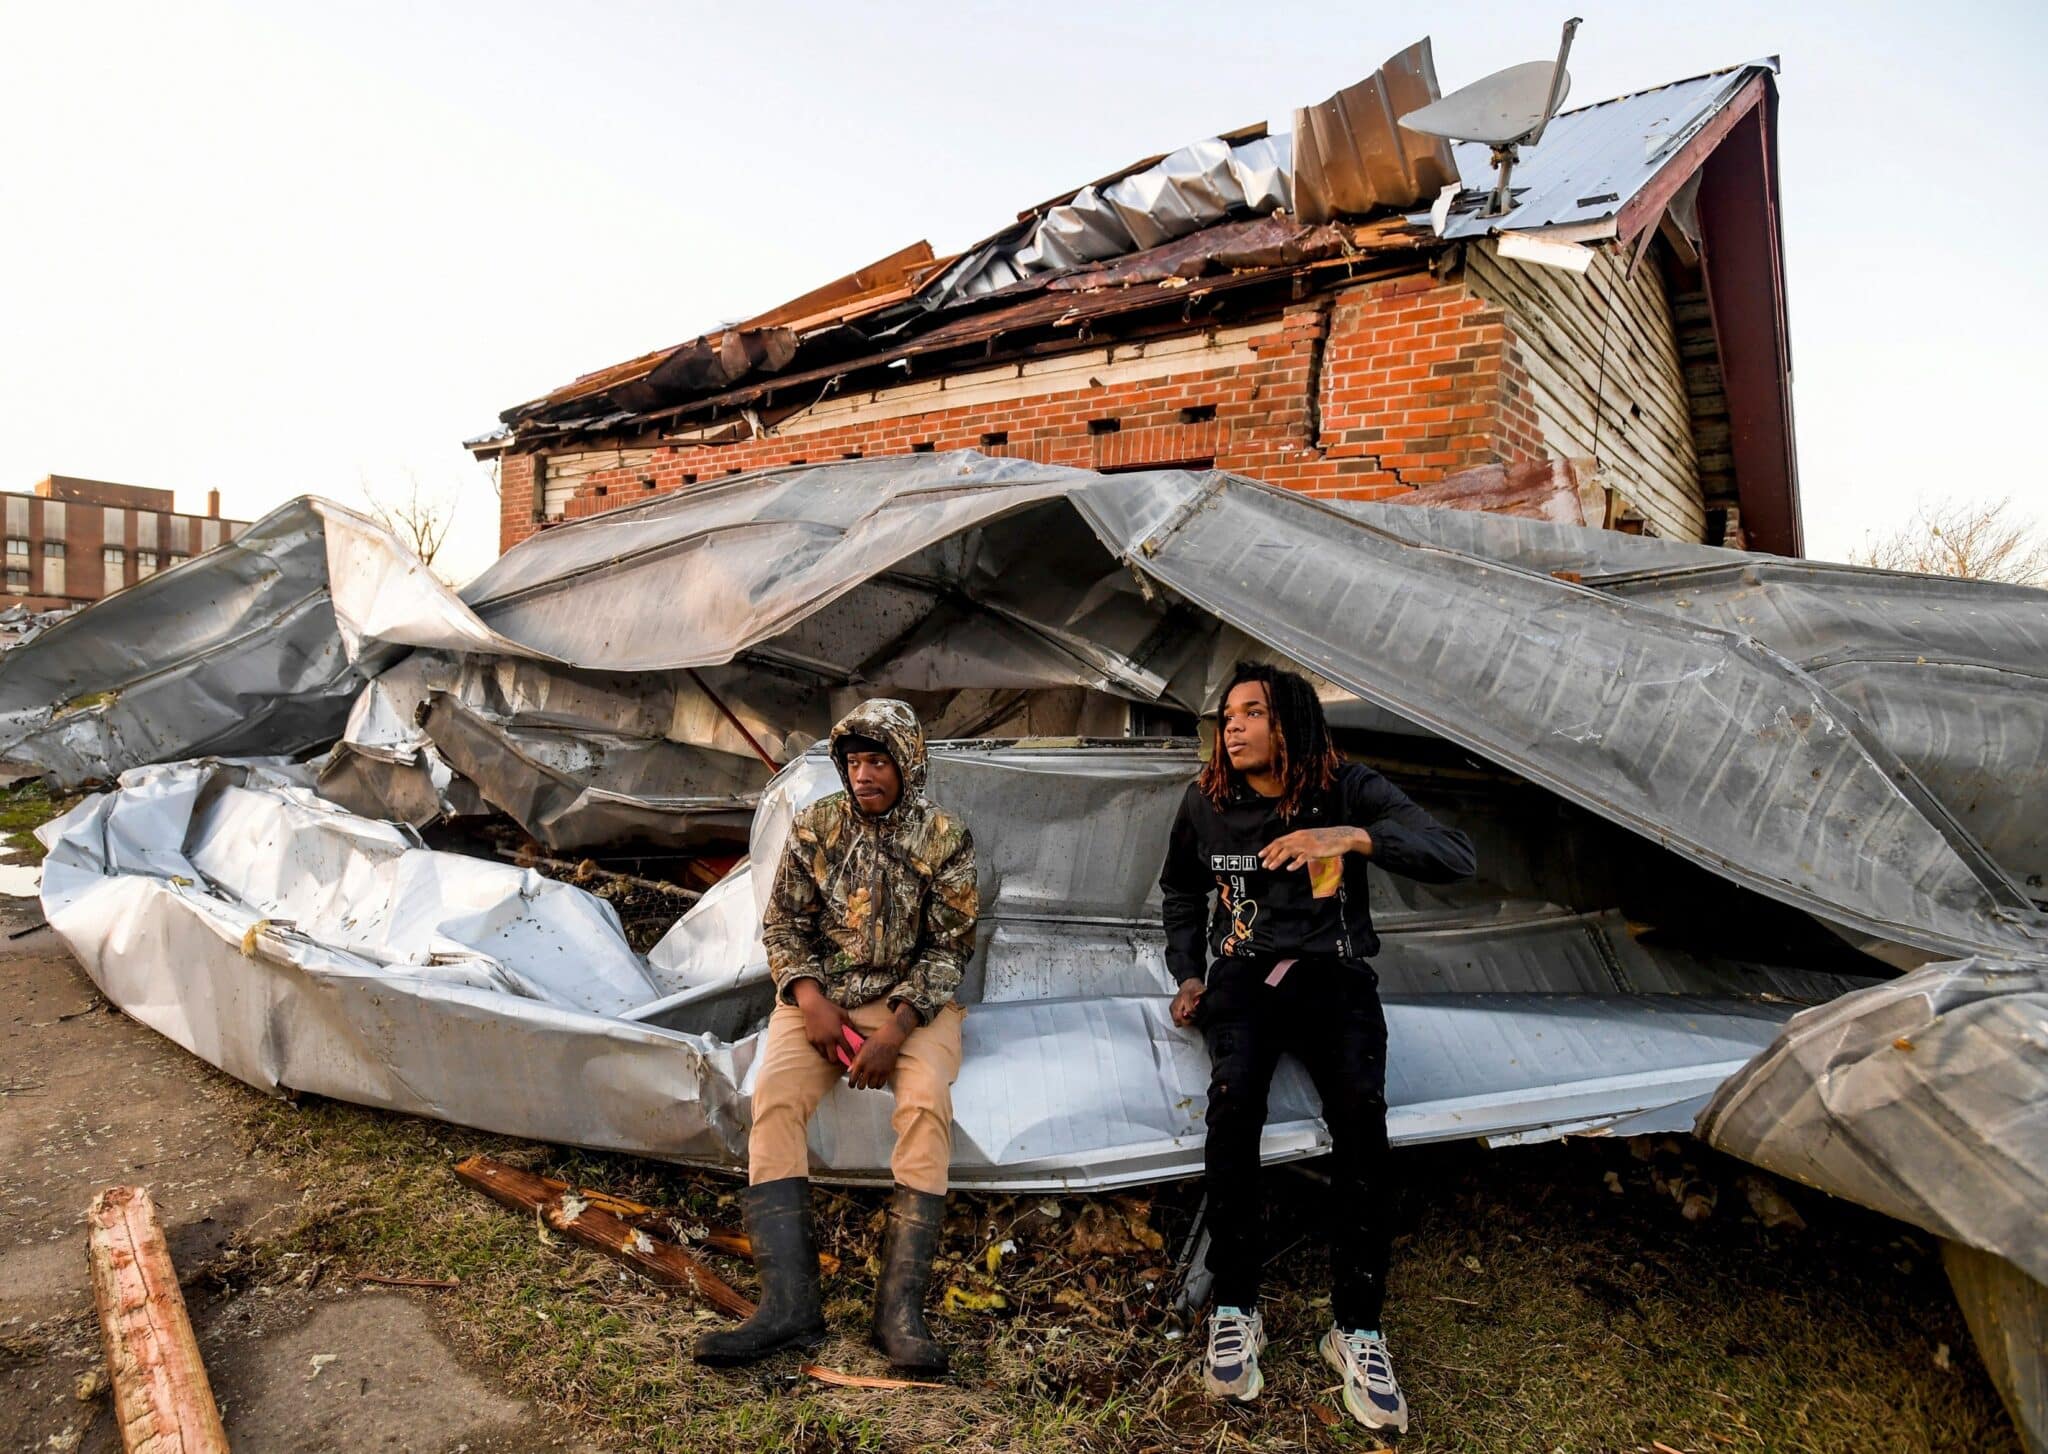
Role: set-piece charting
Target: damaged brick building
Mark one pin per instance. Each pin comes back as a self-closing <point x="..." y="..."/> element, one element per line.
<point x="1330" y="311"/>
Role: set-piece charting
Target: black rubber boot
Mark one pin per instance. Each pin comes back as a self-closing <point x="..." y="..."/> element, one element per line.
<point x="911" y="1243"/>
<point x="778" y="1215"/>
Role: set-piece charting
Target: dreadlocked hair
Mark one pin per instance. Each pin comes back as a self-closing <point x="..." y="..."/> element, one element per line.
<point x="1305" y="759"/>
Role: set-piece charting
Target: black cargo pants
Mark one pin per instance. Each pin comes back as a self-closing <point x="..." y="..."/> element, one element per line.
<point x="1326" y="1013"/>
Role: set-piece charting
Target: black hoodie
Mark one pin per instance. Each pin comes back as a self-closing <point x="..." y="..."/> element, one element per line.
<point x="1267" y="914"/>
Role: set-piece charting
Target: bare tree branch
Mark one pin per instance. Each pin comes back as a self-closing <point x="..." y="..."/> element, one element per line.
<point x="1976" y="539"/>
<point x="419" y="519"/>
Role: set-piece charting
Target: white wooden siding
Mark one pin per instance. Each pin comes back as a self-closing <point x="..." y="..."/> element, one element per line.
<point x="1645" y="439"/>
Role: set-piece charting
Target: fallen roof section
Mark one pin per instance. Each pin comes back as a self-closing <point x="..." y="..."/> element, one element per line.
<point x="299" y="947"/>
<point x="948" y="572"/>
<point x="1925" y="1097"/>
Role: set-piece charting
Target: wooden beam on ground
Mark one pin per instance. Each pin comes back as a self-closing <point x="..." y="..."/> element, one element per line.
<point x="586" y="1219"/>
<point x="655" y="1222"/>
<point x="162" y="1401"/>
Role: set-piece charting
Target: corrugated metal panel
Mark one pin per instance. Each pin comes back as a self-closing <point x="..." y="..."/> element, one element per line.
<point x="1593" y="160"/>
<point x="1352" y="157"/>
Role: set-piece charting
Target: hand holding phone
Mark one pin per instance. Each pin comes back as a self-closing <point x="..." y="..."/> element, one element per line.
<point x="854" y="1040"/>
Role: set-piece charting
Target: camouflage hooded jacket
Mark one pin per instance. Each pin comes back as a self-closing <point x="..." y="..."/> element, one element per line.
<point x="875" y="907"/>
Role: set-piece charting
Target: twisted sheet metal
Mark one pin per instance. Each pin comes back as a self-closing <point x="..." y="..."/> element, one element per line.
<point x="298" y="946"/>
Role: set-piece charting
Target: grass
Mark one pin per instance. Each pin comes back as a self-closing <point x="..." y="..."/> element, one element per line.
<point x="1548" y="1298"/>
<point x="24" y="807"/>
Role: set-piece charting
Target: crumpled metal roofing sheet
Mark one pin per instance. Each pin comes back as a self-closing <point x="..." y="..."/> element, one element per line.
<point x="1203" y="183"/>
<point x="1925" y="1097"/>
<point x="1700" y="737"/>
<point x="2007" y="1312"/>
<point x="1351" y="155"/>
<point x="237" y="650"/>
<point x="1951" y="675"/>
<point x="296" y="945"/>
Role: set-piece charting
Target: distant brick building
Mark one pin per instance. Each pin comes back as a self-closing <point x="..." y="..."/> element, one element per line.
<point x="1628" y="311"/>
<point x="71" y="540"/>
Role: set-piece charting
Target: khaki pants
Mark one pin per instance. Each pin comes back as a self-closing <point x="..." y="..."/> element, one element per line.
<point x="793" y="1078"/>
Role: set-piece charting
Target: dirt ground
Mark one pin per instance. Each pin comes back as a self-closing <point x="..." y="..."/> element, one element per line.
<point x="90" y="1098"/>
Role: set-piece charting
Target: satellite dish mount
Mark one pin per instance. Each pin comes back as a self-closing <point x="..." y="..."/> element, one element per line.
<point x="1507" y="111"/>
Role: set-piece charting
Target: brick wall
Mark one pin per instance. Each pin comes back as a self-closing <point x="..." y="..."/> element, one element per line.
<point x="104" y="492"/>
<point x="85" y="530"/>
<point x="1361" y="393"/>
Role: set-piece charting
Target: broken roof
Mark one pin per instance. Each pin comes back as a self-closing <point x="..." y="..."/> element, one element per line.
<point x="1595" y="161"/>
<point x="1594" y="165"/>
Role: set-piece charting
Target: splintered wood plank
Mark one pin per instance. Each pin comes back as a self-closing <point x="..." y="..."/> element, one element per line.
<point x="654" y="1221"/>
<point x="738" y="1244"/>
<point x="162" y="1401"/>
<point x="587" y="1220"/>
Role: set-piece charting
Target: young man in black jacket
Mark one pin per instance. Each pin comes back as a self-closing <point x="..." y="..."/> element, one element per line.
<point x="1281" y="830"/>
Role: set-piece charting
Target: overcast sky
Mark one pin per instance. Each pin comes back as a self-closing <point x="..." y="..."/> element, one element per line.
<point x="284" y="249"/>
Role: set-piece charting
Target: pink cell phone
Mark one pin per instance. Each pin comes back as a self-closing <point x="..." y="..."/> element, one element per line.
<point x="853" y="1038"/>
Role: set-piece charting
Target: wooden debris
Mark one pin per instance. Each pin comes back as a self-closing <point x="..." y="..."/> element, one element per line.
<point x="583" y="872"/>
<point x="584" y="1219"/>
<point x="655" y="1222"/>
<point x="162" y="1401"/>
<point x="860" y="1380"/>
<point x="736" y="1244"/>
<point x="438" y="1283"/>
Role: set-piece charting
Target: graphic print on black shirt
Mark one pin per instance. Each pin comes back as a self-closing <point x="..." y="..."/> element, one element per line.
<point x="1239" y="907"/>
<point x="1264" y="913"/>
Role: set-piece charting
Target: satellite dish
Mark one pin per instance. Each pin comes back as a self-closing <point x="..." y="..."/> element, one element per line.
<point x="1505" y="111"/>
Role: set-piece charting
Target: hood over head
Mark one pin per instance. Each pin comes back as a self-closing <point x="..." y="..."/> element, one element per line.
<point x="893" y="724"/>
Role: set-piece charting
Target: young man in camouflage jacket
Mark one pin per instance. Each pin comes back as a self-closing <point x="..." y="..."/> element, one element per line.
<point x="869" y="925"/>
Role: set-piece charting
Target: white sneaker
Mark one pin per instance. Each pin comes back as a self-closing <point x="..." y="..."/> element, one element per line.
<point x="1370" y="1390"/>
<point x="1230" y="1369"/>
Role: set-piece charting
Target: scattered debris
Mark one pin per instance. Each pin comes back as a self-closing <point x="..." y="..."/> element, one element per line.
<point x="163" y="1403"/>
<point x="1114" y="1228"/>
<point x="860" y="1380"/>
<point x="960" y="1300"/>
<point x="601" y="1230"/>
<point x="1769" y="1204"/>
<point x="737" y="1244"/>
<point x="439" y="1284"/>
<point x="318" y="1362"/>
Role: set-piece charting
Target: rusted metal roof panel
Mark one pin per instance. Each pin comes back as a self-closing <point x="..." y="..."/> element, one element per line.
<point x="762" y="343"/>
<point x="1352" y="158"/>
